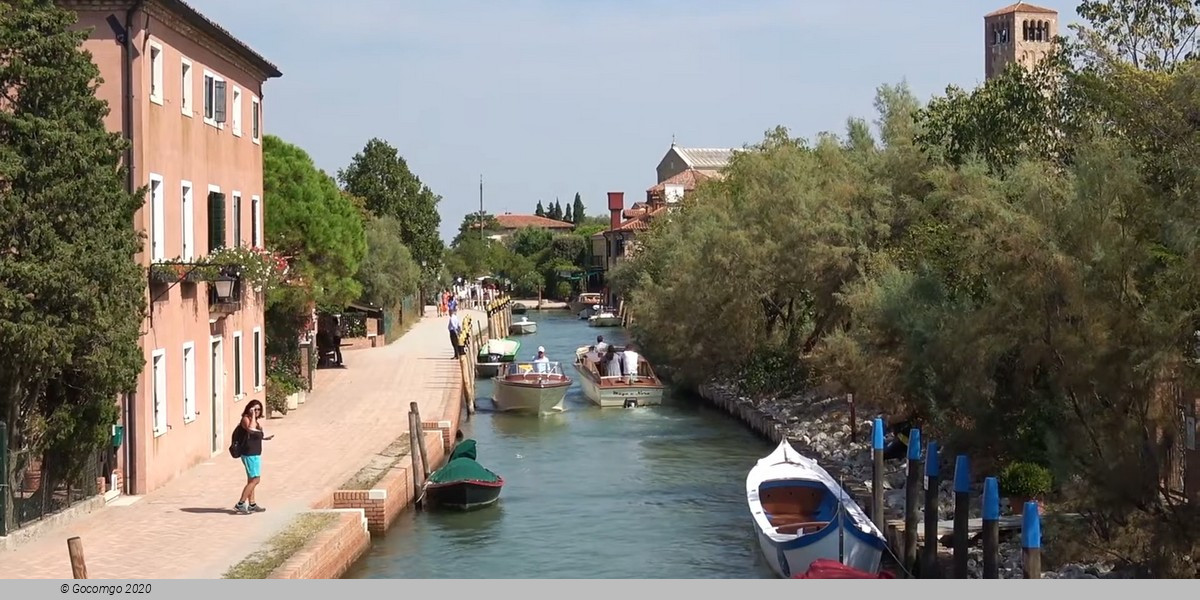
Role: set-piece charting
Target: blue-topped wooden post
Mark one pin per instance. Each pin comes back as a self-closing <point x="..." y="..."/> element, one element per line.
<point x="991" y="529"/>
<point x="912" y="498"/>
<point x="929" y="567"/>
<point x="877" y="476"/>
<point x="962" y="514"/>
<point x="1031" y="541"/>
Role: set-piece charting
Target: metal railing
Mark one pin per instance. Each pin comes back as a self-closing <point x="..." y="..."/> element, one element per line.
<point x="39" y="492"/>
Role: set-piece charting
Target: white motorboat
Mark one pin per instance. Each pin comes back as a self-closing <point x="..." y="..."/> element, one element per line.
<point x="522" y="327"/>
<point x="802" y="514"/>
<point x="604" y="317"/>
<point x="642" y="389"/>
<point x="531" y="387"/>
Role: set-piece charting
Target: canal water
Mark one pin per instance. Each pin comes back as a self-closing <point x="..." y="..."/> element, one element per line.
<point x="652" y="492"/>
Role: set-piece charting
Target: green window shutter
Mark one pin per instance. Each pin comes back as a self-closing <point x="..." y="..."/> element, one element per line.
<point x="216" y="221"/>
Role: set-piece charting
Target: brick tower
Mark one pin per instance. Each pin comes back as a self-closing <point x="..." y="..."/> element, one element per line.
<point x="1021" y="33"/>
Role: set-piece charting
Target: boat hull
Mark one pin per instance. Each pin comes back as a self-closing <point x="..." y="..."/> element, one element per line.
<point x="530" y="398"/>
<point x="522" y="328"/>
<point x="787" y="559"/>
<point x="463" y="495"/>
<point x="489" y="369"/>
<point x="618" y="397"/>
<point x="519" y="309"/>
<point x="604" y="321"/>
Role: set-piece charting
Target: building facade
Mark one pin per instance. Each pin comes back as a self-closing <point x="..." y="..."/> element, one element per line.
<point x="189" y="97"/>
<point x="1021" y="33"/>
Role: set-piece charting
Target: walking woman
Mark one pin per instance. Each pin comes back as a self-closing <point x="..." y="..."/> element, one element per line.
<point x="252" y="439"/>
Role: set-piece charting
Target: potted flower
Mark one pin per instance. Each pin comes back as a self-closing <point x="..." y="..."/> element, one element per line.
<point x="1022" y="482"/>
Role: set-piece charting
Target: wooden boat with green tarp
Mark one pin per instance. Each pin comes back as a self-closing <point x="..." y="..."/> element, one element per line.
<point x="463" y="483"/>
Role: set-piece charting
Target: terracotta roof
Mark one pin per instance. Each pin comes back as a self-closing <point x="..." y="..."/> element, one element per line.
<point x="640" y="222"/>
<point x="1021" y="7"/>
<point x="688" y="179"/>
<point x="511" y="221"/>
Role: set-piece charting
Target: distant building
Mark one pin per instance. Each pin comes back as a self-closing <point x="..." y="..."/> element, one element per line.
<point x="708" y="161"/>
<point x="510" y="224"/>
<point x="1021" y="33"/>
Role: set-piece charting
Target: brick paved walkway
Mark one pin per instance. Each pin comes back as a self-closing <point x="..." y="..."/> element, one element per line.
<point x="186" y="530"/>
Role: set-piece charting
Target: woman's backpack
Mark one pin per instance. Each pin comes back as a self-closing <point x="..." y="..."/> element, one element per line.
<point x="237" y="441"/>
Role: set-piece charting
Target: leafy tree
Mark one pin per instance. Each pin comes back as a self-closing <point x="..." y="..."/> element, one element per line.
<point x="381" y="177"/>
<point x="388" y="273"/>
<point x="471" y="223"/>
<point x="541" y="211"/>
<point x="71" y="301"/>
<point x="580" y="211"/>
<point x="1156" y="36"/>
<point x="309" y="219"/>
<point x="530" y="242"/>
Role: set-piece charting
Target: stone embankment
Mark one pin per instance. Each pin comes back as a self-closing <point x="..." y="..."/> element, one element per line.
<point x="820" y="427"/>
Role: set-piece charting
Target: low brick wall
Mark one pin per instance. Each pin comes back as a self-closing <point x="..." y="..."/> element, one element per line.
<point x="330" y="553"/>
<point x="394" y="492"/>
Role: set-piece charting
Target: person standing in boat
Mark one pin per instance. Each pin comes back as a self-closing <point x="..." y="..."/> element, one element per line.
<point x="631" y="364"/>
<point x="612" y="363"/>
<point x="541" y="364"/>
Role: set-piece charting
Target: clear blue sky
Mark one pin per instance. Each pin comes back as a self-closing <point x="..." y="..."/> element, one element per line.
<point x="548" y="97"/>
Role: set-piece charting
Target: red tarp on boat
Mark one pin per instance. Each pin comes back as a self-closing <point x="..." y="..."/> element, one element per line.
<point x="823" y="568"/>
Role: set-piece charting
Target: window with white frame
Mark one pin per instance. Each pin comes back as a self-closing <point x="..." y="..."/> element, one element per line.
<point x="255" y="222"/>
<point x="186" y="208"/>
<point x="237" y="112"/>
<point x="236" y="217"/>
<point x="158" y="390"/>
<point x="156" y="73"/>
<point x="185" y="103"/>
<point x="189" y="382"/>
<point x="255" y="134"/>
<point x="158" y="225"/>
<point x="237" y="364"/>
<point x="258" y="366"/>
<point x="214" y="99"/>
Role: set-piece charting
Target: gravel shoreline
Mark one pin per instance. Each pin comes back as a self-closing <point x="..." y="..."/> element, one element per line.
<point x="820" y="428"/>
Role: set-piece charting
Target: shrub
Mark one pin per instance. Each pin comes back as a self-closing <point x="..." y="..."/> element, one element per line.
<point x="1025" y="480"/>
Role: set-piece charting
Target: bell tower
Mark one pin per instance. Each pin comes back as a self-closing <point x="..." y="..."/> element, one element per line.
<point x="1021" y="33"/>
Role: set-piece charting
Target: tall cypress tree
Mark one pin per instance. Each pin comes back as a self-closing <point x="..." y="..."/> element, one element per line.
<point x="568" y="217"/>
<point x="72" y="296"/>
<point x="578" y="209"/>
<point x="541" y="212"/>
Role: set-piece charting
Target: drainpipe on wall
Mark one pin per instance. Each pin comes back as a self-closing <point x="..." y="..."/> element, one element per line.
<point x="128" y="411"/>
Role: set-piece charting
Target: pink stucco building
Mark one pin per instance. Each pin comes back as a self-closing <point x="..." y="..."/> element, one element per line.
<point x="189" y="96"/>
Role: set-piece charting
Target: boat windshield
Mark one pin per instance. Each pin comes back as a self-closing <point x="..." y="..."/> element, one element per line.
<point x="539" y="368"/>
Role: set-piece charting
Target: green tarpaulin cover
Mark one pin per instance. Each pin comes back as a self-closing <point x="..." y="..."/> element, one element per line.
<point x="462" y="469"/>
<point x="465" y="449"/>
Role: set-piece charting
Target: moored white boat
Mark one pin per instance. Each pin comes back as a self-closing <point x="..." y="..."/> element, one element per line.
<point x="531" y="387"/>
<point x="604" y="318"/>
<point x="645" y="389"/>
<point x="494" y="354"/>
<point x="522" y="327"/>
<point x="802" y="514"/>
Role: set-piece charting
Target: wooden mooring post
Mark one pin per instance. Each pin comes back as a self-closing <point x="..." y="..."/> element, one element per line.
<point x="912" y="499"/>
<point x="75" y="552"/>
<point x="962" y="515"/>
<point x="933" y="480"/>
<point x="414" y="435"/>
<point x="877" y="476"/>
<point x="991" y="528"/>
<point x="416" y="411"/>
<point x="1031" y="541"/>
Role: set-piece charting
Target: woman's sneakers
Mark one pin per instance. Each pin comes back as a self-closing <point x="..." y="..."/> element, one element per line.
<point x="246" y="509"/>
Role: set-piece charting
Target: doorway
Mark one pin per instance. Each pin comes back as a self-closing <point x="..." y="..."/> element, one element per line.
<point x="216" y="386"/>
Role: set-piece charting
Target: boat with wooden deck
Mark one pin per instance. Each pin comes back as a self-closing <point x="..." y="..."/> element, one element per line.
<point x="802" y="514"/>
<point x="494" y="354"/>
<point x="585" y="302"/>
<point x="531" y="387"/>
<point x="643" y="388"/>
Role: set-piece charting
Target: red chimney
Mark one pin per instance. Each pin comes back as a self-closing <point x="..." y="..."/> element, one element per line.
<point x="616" y="204"/>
